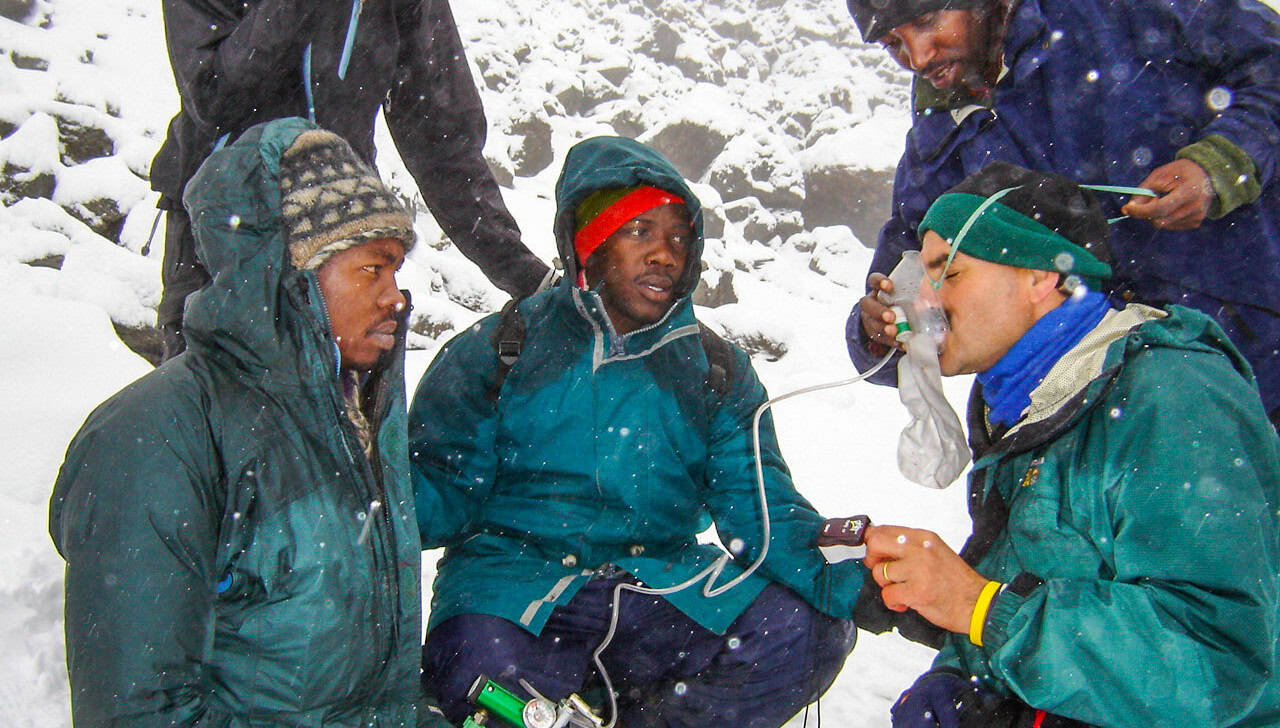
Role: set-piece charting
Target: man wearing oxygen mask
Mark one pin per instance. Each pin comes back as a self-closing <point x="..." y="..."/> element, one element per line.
<point x="1123" y="568"/>
<point x="580" y="441"/>
<point x="1181" y="97"/>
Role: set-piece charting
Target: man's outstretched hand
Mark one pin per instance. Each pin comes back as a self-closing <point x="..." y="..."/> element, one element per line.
<point x="917" y="570"/>
<point x="877" y="319"/>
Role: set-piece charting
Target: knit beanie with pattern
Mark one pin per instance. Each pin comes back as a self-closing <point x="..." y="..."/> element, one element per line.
<point x="332" y="200"/>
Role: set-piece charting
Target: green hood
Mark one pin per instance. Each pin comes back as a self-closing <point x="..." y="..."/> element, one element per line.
<point x="257" y="310"/>
<point x="608" y="162"/>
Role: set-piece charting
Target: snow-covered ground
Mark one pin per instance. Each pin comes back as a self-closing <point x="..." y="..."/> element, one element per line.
<point x="101" y="64"/>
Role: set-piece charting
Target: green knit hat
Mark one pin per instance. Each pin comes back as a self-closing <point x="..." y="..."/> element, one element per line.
<point x="597" y="202"/>
<point x="1013" y="216"/>
<point x="605" y="210"/>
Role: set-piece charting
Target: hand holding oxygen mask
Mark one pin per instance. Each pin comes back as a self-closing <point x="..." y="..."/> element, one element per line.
<point x="932" y="450"/>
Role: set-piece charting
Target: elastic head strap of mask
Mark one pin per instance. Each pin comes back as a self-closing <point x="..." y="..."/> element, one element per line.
<point x="1120" y="191"/>
<point x="964" y="230"/>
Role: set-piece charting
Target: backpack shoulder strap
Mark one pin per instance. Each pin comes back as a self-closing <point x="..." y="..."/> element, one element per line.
<point x="721" y="360"/>
<point x="508" y="341"/>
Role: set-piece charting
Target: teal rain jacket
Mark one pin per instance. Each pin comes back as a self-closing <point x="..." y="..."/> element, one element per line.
<point x="603" y="449"/>
<point x="233" y="558"/>
<point x="1147" y="504"/>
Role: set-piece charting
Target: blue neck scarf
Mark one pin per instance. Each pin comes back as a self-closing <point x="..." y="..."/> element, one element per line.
<point x="1007" y="386"/>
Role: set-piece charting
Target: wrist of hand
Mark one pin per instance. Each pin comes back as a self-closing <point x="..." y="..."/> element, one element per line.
<point x="978" y="618"/>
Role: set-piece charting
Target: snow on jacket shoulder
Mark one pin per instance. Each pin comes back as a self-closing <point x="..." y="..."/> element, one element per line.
<point x="1147" y="504"/>
<point x="225" y="562"/>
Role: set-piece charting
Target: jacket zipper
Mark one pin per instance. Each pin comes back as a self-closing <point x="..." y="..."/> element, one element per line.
<point x="382" y="539"/>
<point x="370" y="485"/>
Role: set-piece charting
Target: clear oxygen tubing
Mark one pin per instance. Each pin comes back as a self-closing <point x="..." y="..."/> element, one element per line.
<point x="713" y="571"/>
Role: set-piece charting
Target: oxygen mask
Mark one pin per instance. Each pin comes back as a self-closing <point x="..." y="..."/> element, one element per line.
<point x="915" y="303"/>
<point x="932" y="450"/>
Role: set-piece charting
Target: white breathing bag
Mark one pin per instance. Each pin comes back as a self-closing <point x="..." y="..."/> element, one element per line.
<point x="932" y="450"/>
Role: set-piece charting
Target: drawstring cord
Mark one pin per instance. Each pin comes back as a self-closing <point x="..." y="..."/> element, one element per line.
<point x="349" y="43"/>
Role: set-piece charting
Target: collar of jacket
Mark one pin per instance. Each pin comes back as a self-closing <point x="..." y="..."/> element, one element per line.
<point x="1082" y="363"/>
<point x="1075" y="384"/>
<point x="608" y="345"/>
<point x="927" y="98"/>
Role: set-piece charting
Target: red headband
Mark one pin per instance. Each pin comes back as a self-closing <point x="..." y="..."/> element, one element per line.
<point x="616" y="215"/>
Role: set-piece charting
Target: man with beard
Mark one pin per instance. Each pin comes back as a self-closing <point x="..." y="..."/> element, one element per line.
<point x="237" y="524"/>
<point x="569" y="451"/>
<point x="1181" y="97"/>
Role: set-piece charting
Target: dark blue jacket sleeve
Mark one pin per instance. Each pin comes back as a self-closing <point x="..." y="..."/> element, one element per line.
<point x="1237" y="42"/>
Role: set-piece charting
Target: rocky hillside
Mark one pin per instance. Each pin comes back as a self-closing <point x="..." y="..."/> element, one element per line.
<point x="777" y="105"/>
<point x="789" y="123"/>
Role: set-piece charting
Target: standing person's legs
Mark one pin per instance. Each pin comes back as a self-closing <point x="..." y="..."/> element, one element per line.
<point x="777" y="657"/>
<point x="181" y="275"/>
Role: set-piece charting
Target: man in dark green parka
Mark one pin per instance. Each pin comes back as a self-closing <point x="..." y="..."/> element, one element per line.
<point x="238" y="528"/>
<point x="1124" y="564"/>
<point x="595" y="462"/>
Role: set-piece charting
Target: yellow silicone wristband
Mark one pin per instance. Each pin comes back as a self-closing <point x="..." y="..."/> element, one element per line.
<point x="979" y="617"/>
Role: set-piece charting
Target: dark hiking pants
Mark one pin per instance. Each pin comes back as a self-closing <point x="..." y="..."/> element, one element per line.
<point x="777" y="657"/>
